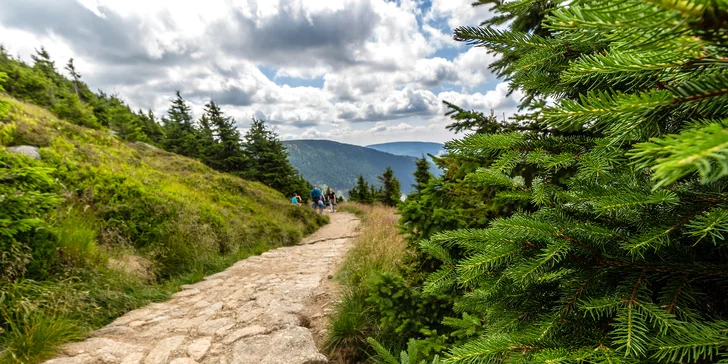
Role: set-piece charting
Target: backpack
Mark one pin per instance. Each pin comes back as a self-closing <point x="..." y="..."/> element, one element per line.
<point x="316" y="194"/>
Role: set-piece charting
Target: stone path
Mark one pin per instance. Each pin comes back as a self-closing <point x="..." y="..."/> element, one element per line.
<point x="253" y="312"/>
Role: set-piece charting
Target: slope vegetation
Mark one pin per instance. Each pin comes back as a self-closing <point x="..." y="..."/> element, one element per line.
<point x="98" y="227"/>
<point x="338" y="165"/>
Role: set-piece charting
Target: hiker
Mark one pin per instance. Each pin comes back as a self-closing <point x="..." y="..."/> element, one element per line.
<point x="332" y="199"/>
<point x="298" y="199"/>
<point x="294" y="200"/>
<point x="317" y="197"/>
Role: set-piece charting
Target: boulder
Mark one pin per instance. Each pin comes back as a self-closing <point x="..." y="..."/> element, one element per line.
<point x="27" y="150"/>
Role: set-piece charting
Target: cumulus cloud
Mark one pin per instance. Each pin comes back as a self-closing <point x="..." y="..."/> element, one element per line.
<point x="378" y="60"/>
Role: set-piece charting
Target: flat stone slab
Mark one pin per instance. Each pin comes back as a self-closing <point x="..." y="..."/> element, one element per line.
<point x="250" y="313"/>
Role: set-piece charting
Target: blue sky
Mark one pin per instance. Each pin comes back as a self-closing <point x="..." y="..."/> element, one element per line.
<point x="354" y="71"/>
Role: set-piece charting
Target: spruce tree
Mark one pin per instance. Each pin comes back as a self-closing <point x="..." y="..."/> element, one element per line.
<point x="71" y="68"/>
<point x="390" y="193"/>
<point x="360" y="192"/>
<point x="268" y="160"/>
<point x="228" y="153"/>
<point x="620" y="255"/>
<point x="181" y="135"/>
<point x="422" y="174"/>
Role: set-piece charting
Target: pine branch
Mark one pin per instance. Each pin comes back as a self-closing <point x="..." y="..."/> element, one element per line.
<point x="711" y="224"/>
<point x="500" y="40"/>
<point x="693" y="342"/>
<point x="703" y="150"/>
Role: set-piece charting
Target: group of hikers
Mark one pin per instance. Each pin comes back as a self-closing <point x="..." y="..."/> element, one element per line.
<point x="319" y="199"/>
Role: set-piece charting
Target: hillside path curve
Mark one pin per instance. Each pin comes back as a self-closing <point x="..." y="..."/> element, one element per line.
<point x="253" y="312"/>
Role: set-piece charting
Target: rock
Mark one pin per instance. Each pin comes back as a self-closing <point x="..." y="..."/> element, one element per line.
<point x="211" y="309"/>
<point x="183" y="361"/>
<point x="210" y="327"/>
<point x="160" y="354"/>
<point x="331" y="276"/>
<point x="199" y="348"/>
<point x="135" y="358"/>
<point x="201" y="304"/>
<point x="187" y="292"/>
<point x="81" y="359"/>
<point x="244" y="332"/>
<point x="103" y="347"/>
<point x="26" y="150"/>
<point x="145" y="145"/>
<point x="113" y="331"/>
<point x="292" y="345"/>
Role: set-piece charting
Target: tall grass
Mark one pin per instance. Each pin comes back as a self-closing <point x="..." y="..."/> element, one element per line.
<point x="377" y="250"/>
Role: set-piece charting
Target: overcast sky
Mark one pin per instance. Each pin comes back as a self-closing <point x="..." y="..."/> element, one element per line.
<point x="354" y="71"/>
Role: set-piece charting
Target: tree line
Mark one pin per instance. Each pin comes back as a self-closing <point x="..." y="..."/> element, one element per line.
<point x="389" y="193"/>
<point x="213" y="138"/>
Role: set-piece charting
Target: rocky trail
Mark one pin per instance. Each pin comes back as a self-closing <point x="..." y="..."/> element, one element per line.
<point x="265" y="309"/>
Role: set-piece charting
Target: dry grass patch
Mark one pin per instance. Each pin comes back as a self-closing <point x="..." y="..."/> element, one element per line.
<point x="378" y="248"/>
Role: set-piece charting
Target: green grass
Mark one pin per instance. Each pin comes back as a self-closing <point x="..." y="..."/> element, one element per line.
<point x="354" y="208"/>
<point x="133" y="225"/>
<point x="378" y="249"/>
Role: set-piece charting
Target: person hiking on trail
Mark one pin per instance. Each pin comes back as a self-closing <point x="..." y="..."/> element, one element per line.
<point x="331" y="196"/>
<point x="294" y="200"/>
<point x="317" y="197"/>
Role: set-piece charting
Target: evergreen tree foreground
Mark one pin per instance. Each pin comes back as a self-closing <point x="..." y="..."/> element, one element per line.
<point x="617" y="252"/>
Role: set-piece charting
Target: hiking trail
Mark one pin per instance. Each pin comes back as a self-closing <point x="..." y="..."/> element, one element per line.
<point x="265" y="309"/>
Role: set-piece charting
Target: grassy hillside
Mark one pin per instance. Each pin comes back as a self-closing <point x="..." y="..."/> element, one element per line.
<point x="412" y="149"/>
<point x="338" y="165"/>
<point x="98" y="227"/>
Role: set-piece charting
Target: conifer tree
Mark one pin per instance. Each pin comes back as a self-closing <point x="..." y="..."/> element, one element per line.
<point x="181" y="135"/>
<point x="268" y="160"/>
<point x="152" y="130"/>
<point x="620" y="255"/>
<point x="422" y="174"/>
<point x="71" y="68"/>
<point x="228" y="152"/>
<point x="390" y="193"/>
<point x="361" y="191"/>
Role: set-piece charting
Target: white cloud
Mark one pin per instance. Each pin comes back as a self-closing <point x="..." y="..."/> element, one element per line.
<point x="376" y="59"/>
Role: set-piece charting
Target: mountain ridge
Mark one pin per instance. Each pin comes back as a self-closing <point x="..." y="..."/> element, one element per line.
<point x="338" y="165"/>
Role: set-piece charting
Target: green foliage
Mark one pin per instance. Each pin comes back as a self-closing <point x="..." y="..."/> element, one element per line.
<point x="268" y="160"/>
<point x="390" y="194"/>
<point x="135" y="223"/>
<point x="181" y="137"/>
<point x="411" y="356"/>
<point x="27" y="193"/>
<point x="601" y="221"/>
<point x="32" y="337"/>
<point x="361" y="192"/>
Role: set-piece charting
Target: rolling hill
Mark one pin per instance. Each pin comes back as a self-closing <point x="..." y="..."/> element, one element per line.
<point x="412" y="149"/>
<point x="338" y="165"/>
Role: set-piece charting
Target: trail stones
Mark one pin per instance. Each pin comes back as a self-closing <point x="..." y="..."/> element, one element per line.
<point x="254" y="312"/>
<point x="244" y="332"/>
<point x="199" y="348"/>
<point x="161" y="353"/>
<point x="290" y="345"/>
<point x="183" y="361"/>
